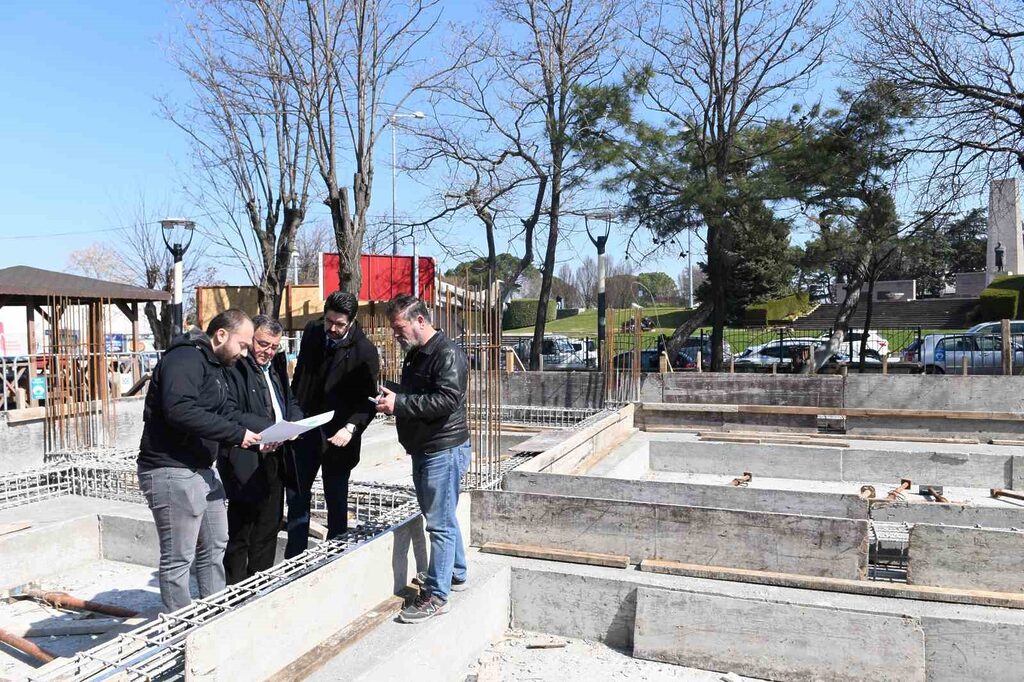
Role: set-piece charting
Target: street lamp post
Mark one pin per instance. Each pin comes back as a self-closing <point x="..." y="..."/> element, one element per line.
<point x="177" y="234"/>
<point x="600" y="241"/>
<point x="393" y="118"/>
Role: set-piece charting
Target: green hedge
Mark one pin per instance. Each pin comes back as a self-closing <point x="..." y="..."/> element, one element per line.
<point x="522" y="312"/>
<point x="760" y="314"/>
<point x="1003" y="299"/>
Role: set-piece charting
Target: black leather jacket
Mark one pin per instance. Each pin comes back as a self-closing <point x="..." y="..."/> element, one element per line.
<point x="430" y="408"/>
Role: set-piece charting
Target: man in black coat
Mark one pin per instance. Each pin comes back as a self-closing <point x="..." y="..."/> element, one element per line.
<point x="253" y="476"/>
<point x="189" y="414"/>
<point x="337" y="369"/>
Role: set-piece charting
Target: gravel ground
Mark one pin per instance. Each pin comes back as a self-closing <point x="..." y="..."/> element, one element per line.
<point x="512" y="659"/>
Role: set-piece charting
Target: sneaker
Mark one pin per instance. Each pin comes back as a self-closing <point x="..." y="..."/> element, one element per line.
<point x="424" y="607"/>
<point x="420" y="580"/>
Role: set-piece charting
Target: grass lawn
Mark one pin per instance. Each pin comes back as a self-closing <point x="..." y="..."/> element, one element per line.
<point x="665" y="318"/>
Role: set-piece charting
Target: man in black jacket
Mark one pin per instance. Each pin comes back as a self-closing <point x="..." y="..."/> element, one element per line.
<point x="253" y="476"/>
<point x="189" y="413"/>
<point x="337" y="370"/>
<point x="430" y="414"/>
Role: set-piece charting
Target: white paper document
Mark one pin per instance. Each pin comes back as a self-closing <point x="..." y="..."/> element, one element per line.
<point x="282" y="431"/>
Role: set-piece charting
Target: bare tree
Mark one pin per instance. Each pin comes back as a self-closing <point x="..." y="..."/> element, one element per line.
<point x="585" y="281"/>
<point x="137" y="255"/>
<point x="343" y="57"/>
<point x="958" y="58"/>
<point x="249" y="146"/>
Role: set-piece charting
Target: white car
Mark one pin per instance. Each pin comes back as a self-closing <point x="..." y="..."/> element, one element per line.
<point x="876" y="342"/>
<point x="996" y="328"/>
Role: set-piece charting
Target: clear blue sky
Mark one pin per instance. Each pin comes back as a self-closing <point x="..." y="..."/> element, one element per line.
<point x="81" y="133"/>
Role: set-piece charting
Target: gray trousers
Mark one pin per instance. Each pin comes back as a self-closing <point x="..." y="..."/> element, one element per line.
<point x="190" y="511"/>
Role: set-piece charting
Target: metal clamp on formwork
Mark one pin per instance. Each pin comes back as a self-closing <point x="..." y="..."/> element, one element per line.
<point x="933" y="492"/>
<point x="867" y="492"/>
<point x="897" y="493"/>
<point x="743" y="480"/>
<point x="999" y="492"/>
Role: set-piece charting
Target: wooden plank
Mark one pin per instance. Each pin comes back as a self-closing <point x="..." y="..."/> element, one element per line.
<point x="1008" y="600"/>
<point x="320" y="655"/>
<point x="554" y="554"/>
<point x="1005" y="441"/>
<point x="6" y="528"/>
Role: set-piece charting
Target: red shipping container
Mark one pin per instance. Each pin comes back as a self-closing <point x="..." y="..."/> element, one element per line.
<point x="384" y="277"/>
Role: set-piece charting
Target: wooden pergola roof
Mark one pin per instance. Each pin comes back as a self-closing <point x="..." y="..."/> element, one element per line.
<point x="26" y="286"/>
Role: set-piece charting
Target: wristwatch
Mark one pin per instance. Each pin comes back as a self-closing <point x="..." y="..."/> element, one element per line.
<point x="351" y="428"/>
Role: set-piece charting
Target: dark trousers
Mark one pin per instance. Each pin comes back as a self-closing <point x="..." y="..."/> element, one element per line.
<point x="308" y="460"/>
<point x="253" y="526"/>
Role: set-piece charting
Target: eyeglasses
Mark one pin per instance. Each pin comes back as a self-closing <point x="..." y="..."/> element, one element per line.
<point x="266" y="345"/>
<point x="331" y="324"/>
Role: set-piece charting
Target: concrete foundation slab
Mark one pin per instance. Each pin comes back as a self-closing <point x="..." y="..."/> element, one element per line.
<point x="53" y="548"/>
<point x="739" y="539"/>
<point x="969" y="558"/>
<point x="775" y="640"/>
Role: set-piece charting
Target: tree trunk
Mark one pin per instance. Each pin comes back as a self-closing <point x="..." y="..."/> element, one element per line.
<point x="349" y="273"/>
<point x="683" y="331"/>
<point x="160" y="324"/>
<point x="835" y="342"/>
<point x="547" y="273"/>
<point x="719" y="245"/>
<point x="867" y="320"/>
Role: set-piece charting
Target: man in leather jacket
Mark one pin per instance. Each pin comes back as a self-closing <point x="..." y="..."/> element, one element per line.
<point x="337" y="370"/>
<point x="430" y="415"/>
<point x="253" y="476"/>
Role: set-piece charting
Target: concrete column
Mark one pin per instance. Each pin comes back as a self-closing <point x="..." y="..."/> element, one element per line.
<point x="1004" y="227"/>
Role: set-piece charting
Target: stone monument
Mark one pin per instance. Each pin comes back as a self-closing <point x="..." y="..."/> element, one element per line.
<point x="1004" y="229"/>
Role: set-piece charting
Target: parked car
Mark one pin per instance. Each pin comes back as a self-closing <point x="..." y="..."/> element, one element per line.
<point x="703" y="344"/>
<point x="556" y="353"/>
<point x="946" y="353"/>
<point x="876" y="342"/>
<point x="586" y="349"/>
<point x="780" y="352"/>
<point x="1016" y="328"/>
<point x="648" y="360"/>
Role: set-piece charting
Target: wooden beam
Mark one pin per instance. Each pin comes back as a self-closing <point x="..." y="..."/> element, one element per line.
<point x="42" y="312"/>
<point x="555" y="554"/>
<point x="131" y="313"/>
<point x="1010" y="600"/>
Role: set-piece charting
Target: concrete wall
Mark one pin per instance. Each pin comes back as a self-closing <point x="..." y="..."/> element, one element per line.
<point x="21" y="442"/>
<point x="754" y="389"/>
<point x="583" y="449"/>
<point x="968" y="558"/>
<point x="300" y="615"/>
<point x="36" y="553"/>
<point x="1004" y="227"/>
<point x="806" y="545"/>
<point x="775" y="641"/>
<point x="813" y="462"/>
<point x="934" y="392"/>
<point x="690" y="494"/>
<point x="553" y="389"/>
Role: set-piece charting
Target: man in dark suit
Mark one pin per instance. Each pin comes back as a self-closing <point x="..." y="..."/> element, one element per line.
<point x="253" y="476"/>
<point x="337" y="369"/>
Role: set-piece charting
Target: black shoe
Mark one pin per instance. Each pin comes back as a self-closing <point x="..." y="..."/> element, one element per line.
<point x="458" y="585"/>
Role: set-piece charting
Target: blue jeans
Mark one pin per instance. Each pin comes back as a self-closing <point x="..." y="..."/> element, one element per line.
<point x="307" y="462"/>
<point x="436" y="477"/>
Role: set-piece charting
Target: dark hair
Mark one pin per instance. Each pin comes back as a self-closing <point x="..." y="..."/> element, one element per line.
<point x="342" y="302"/>
<point x="408" y="306"/>
<point x="229" y="320"/>
<point x="272" y="326"/>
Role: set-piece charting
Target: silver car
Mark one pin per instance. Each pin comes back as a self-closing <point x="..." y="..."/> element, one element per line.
<point x="947" y="353"/>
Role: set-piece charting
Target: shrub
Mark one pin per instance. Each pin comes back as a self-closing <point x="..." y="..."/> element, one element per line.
<point x="522" y="312"/>
<point x="1002" y="299"/>
<point x="761" y="314"/>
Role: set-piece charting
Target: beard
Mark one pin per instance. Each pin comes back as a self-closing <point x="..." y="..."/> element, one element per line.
<point x="226" y="358"/>
<point x="409" y="345"/>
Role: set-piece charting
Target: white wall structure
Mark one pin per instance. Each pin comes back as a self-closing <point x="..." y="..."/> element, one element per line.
<point x="1004" y="228"/>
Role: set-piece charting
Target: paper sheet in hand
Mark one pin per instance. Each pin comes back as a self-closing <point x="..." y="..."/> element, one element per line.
<point x="282" y="431"/>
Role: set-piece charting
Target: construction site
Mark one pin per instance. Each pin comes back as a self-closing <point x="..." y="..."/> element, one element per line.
<point x="622" y="524"/>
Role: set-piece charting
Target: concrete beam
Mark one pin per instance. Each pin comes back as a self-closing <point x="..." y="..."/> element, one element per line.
<point x="969" y="558"/>
<point x="962" y="649"/>
<point x="754" y="389"/>
<point x="582" y="449"/>
<point x="54" y="548"/>
<point x="775" y="640"/>
<point x="731" y="459"/>
<point x="690" y="494"/>
<point x="129" y="540"/>
<point x="948" y="514"/>
<point x="738" y="539"/>
<point x="953" y="469"/>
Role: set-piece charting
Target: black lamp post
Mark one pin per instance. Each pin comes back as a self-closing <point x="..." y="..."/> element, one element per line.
<point x="600" y="241"/>
<point x="1000" y="254"/>
<point x="177" y="234"/>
